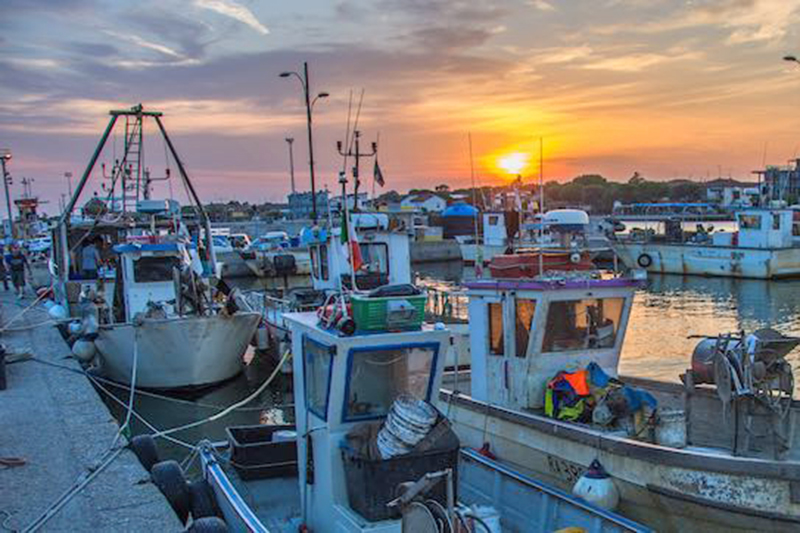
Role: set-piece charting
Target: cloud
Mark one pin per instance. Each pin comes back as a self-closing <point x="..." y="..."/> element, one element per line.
<point x="637" y="62"/>
<point x="234" y="10"/>
<point x="139" y="41"/>
<point x="542" y="5"/>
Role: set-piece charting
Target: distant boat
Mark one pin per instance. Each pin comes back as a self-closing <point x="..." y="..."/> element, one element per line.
<point x="763" y="246"/>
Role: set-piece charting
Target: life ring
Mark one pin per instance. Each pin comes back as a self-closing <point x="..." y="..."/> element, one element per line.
<point x="644" y="260"/>
<point x="575" y="258"/>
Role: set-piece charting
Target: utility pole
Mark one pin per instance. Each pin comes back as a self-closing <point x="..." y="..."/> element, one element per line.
<point x="68" y="175"/>
<point x="5" y="158"/>
<point x="290" y="140"/>
<point x="357" y="155"/>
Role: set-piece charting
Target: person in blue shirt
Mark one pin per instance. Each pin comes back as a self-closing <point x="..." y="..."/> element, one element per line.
<point x="18" y="264"/>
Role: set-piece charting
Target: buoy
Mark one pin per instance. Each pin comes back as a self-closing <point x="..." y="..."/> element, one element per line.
<point x="596" y="487"/>
<point x="84" y="350"/>
<point x="262" y="337"/>
<point x="48" y="304"/>
<point x="57" y="312"/>
<point x="75" y="327"/>
<point x="575" y="258"/>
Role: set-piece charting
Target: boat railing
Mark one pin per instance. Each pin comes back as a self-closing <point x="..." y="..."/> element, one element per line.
<point x="446" y="305"/>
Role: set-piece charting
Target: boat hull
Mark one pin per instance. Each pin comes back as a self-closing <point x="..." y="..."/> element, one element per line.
<point x="668" y="489"/>
<point x="726" y="261"/>
<point x="469" y="252"/>
<point x="177" y="353"/>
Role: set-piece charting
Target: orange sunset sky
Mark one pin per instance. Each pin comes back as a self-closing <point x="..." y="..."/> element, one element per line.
<point x="666" y="88"/>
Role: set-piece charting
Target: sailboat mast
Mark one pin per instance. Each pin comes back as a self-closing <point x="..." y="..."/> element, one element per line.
<point x="541" y="205"/>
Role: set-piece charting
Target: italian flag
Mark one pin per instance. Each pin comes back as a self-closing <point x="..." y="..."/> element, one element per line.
<point x="350" y="245"/>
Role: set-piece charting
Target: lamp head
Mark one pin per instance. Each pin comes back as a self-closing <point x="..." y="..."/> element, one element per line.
<point x="285" y="74"/>
<point x="323" y="95"/>
<point x="789" y="58"/>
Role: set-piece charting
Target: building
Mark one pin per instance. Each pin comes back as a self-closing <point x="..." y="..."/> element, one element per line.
<point x="427" y="202"/>
<point x="781" y="182"/>
<point x="337" y="203"/>
<point x="732" y="194"/>
<point x="301" y="205"/>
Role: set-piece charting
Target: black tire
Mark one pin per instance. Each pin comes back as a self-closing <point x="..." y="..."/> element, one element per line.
<point x="211" y="524"/>
<point x="644" y="260"/>
<point x="145" y="449"/>
<point x="203" y="503"/>
<point x="168" y="477"/>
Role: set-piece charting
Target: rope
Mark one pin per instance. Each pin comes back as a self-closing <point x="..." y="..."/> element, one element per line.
<point x="126" y="425"/>
<point x="230" y="408"/>
<point x="18" y="316"/>
<point x="4" y="523"/>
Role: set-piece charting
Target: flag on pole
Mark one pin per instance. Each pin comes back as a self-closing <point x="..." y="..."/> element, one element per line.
<point x="350" y="245"/>
<point x="378" y="174"/>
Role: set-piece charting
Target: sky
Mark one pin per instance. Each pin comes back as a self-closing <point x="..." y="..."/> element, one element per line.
<point x="669" y="89"/>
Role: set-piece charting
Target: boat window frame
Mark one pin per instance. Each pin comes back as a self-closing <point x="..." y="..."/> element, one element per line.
<point x="531" y="330"/>
<point x="331" y="349"/>
<point x="501" y="303"/>
<point x="313" y="251"/>
<point x="385" y="246"/>
<point x="324" y="271"/>
<point x="351" y="353"/>
<point x="624" y="311"/>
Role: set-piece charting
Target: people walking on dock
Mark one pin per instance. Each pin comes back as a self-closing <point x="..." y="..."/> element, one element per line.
<point x="3" y="269"/>
<point x="18" y="264"/>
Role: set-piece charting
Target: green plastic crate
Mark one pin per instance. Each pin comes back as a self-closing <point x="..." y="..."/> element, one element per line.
<point x="370" y="314"/>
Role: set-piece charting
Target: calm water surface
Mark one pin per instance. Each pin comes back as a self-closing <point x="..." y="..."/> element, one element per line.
<point x="665" y="313"/>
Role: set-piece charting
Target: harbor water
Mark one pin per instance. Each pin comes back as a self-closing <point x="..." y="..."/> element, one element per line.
<point x="667" y="313"/>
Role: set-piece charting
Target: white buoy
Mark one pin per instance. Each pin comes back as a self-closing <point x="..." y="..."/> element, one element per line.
<point x="75" y="327"/>
<point x="84" y="350"/>
<point x="57" y="312"/>
<point x="596" y="487"/>
<point x="262" y="337"/>
<point x="48" y="304"/>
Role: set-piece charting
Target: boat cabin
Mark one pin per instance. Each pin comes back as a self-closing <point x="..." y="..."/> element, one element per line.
<point x="764" y="228"/>
<point x="341" y="383"/>
<point x="385" y="254"/>
<point x="523" y="332"/>
<point x="149" y="274"/>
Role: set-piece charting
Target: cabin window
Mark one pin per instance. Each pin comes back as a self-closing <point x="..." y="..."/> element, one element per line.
<point x="377" y="376"/>
<point x="375" y="257"/>
<point x="317" y="367"/>
<point x="154" y="269"/>
<point x="493" y="219"/>
<point x="582" y="324"/>
<point x="524" y="311"/>
<point x="776" y="221"/>
<point x="323" y="261"/>
<point x="314" y="251"/>
<point x="750" y="221"/>
<point x="496" y="345"/>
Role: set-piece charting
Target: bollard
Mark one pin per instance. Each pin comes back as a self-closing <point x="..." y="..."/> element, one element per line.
<point x="2" y="367"/>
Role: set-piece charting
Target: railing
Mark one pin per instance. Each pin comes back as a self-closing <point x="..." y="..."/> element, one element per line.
<point x="446" y="305"/>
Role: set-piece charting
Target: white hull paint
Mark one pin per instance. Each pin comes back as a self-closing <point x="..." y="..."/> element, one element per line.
<point x="655" y="492"/>
<point x="177" y="352"/>
<point x="262" y="265"/>
<point x="726" y="261"/>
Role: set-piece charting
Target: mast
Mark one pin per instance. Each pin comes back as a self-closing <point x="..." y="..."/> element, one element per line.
<point x="541" y="205"/>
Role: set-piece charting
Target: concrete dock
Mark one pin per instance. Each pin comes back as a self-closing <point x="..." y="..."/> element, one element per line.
<point x="57" y="423"/>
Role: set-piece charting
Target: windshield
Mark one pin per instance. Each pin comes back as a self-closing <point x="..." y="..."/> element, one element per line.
<point x="590" y="323"/>
<point x="377" y="376"/>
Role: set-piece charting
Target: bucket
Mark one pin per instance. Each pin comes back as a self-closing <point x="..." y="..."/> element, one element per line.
<point x="671" y="428"/>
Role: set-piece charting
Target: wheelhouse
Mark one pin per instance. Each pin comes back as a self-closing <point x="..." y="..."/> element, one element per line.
<point x="523" y="332"/>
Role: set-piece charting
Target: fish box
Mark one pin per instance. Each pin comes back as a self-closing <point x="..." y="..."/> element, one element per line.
<point x="392" y="313"/>
<point x="261" y="451"/>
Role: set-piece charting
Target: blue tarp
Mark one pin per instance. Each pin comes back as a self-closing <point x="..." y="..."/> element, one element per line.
<point x="460" y="210"/>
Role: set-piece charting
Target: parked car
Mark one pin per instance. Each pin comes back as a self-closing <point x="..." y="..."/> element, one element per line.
<point x="272" y="240"/>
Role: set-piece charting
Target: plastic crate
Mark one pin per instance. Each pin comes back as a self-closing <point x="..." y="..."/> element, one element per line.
<point x="371" y="314"/>
<point x="255" y="455"/>
<point x="371" y="484"/>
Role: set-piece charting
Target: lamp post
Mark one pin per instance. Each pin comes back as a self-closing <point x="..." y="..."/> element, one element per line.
<point x="5" y="157"/>
<point x="290" y="140"/>
<point x="68" y="175"/>
<point x="304" y="82"/>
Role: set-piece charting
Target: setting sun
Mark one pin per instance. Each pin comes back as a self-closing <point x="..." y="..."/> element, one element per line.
<point x="513" y="163"/>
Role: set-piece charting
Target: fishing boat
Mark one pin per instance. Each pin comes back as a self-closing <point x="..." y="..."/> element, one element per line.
<point x="340" y="469"/>
<point x="716" y="452"/>
<point x="139" y="278"/>
<point x="763" y="246"/>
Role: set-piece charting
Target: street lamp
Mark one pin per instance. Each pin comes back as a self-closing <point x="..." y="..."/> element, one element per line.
<point x="290" y="140"/>
<point x="791" y="58"/>
<point x="304" y="82"/>
<point x="5" y="157"/>
<point x="68" y="175"/>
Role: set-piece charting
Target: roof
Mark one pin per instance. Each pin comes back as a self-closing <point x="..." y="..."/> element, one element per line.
<point x="546" y="285"/>
<point x="460" y="210"/>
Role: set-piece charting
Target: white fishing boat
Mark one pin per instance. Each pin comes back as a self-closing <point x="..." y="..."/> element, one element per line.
<point x="272" y="255"/>
<point x="141" y="280"/>
<point x="716" y="453"/>
<point x="763" y="246"/>
<point x="368" y="454"/>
